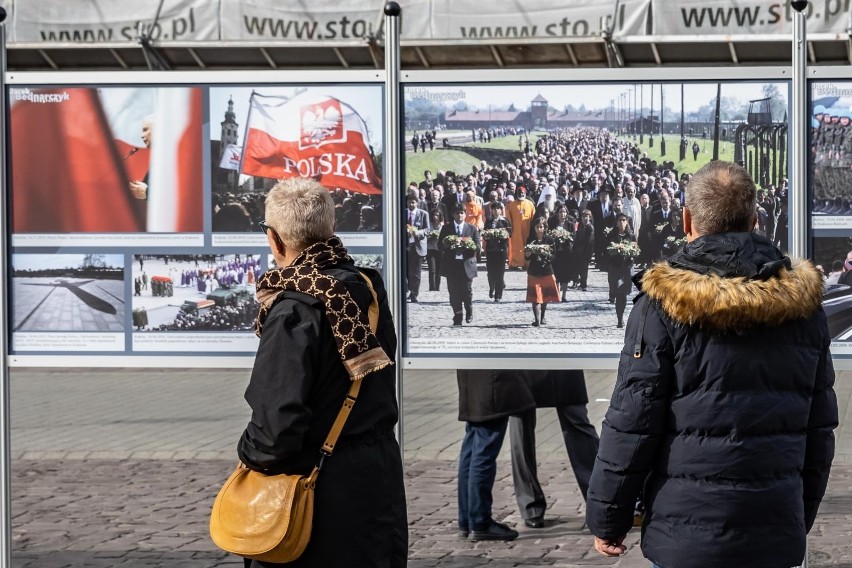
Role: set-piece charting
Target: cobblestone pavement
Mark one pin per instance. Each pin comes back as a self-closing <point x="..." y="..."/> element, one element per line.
<point x="120" y="468"/>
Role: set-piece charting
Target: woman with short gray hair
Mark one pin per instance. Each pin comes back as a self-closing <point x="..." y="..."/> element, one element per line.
<point x="323" y="323"/>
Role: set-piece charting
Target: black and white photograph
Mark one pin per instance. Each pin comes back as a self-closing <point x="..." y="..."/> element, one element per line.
<point x="831" y="154"/>
<point x="529" y="208"/>
<point x="67" y="292"/>
<point x="195" y="293"/>
<point x="833" y="256"/>
<point x="263" y="134"/>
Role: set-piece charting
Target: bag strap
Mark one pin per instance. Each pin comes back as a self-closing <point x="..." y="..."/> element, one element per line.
<point x="351" y="394"/>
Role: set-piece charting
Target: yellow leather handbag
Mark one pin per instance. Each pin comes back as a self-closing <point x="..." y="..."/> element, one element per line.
<point x="269" y="517"/>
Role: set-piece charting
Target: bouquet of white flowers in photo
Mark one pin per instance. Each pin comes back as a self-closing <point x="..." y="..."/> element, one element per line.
<point x="560" y="235"/>
<point x="433" y="233"/>
<point x="456" y="243"/>
<point x="623" y="249"/>
<point x="495" y="235"/>
<point x="542" y="253"/>
<point x="659" y="228"/>
<point x="672" y="241"/>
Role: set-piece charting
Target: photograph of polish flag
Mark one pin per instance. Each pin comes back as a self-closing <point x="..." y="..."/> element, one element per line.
<point x="313" y="136"/>
<point x="262" y="134"/>
<point x="121" y="160"/>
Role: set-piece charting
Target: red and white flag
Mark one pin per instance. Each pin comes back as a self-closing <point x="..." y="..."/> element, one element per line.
<point x="231" y="157"/>
<point x="128" y="111"/>
<point x="74" y="179"/>
<point x="175" y="179"/>
<point x="312" y="136"/>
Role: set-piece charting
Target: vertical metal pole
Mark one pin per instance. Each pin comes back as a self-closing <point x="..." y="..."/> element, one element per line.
<point x="798" y="191"/>
<point x="5" y="423"/>
<point x="393" y="185"/>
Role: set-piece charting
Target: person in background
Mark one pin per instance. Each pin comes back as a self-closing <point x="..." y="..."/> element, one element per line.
<point x="724" y="407"/>
<point x="565" y="391"/>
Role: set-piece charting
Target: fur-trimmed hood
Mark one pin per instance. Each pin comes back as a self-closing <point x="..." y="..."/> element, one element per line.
<point x="731" y="282"/>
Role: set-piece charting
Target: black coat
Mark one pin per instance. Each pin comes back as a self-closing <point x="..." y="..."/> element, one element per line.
<point x="451" y="266"/>
<point x="726" y="418"/>
<point x="296" y="390"/>
<point x="489" y="394"/>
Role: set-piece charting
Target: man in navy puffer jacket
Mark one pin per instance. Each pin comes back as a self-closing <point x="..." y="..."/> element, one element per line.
<point x="724" y="409"/>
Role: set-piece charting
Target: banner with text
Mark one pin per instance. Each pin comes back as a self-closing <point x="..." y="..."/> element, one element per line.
<point x="107" y="21"/>
<point x="743" y="17"/>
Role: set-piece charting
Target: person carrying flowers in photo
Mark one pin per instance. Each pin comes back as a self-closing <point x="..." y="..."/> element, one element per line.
<point x="541" y="284"/>
<point x="672" y="235"/>
<point x="561" y="230"/>
<point x="495" y="238"/>
<point x="459" y="243"/>
<point x="433" y="252"/>
<point x="621" y="250"/>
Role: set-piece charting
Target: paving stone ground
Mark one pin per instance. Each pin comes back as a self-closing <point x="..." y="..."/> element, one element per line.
<point x="92" y="487"/>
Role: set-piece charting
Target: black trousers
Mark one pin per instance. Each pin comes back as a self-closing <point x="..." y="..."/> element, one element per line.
<point x="433" y="262"/>
<point x="581" y="442"/>
<point x="461" y="294"/>
<point x="495" y="265"/>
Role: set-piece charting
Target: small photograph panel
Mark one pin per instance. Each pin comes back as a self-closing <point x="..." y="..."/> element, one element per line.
<point x="264" y="134"/>
<point x="118" y="160"/>
<point x="188" y="293"/>
<point x="67" y="292"/>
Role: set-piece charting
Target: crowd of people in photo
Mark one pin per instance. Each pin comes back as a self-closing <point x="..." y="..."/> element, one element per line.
<point x="231" y="312"/>
<point x="831" y="150"/>
<point x="572" y="200"/>
<point x="235" y="316"/>
<point x="240" y="213"/>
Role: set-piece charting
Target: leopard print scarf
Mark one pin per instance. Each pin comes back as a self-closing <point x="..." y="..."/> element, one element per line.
<point x="356" y="343"/>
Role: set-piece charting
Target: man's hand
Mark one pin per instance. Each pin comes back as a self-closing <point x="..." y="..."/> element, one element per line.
<point x="610" y="547"/>
<point x="139" y="189"/>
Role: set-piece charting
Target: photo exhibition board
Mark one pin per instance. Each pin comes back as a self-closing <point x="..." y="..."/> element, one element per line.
<point x="830" y="192"/>
<point x="134" y="225"/>
<point x="563" y="145"/>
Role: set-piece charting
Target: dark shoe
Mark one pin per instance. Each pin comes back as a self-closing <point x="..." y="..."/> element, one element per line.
<point x="413" y="299"/>
<point x="543" y="321"/>
<point x="463" y="533"/>
<point x="469" y="317"/>
<point x="564" y="298"/>
<point x="583" y="289"/>
<point x="457" y="321"/>
<point x="620" y="324"/>
<point x="535" y="324"/>
<point x="491" y="293"/>
<point x="534" y="522"/>
<point x="497" y="531"/>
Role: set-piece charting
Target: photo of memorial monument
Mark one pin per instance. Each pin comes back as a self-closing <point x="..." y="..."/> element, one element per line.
<point x="195" y="292"/>
<point x="569" y="158"/>
<point x="67" y="292"/>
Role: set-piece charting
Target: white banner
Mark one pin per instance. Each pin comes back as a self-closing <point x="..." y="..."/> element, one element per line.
<point x="431" y="19"/>
<point x="104" y="21"/>
<point x="339" y="20"/>
<point x="746" y="17"/>
<point x="469" y="19"/>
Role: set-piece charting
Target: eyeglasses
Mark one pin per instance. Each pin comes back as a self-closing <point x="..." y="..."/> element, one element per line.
<point x="265" y="228"/>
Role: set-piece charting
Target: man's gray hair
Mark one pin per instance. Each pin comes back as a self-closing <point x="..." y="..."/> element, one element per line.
<point x="301" y="211"/>
<point x="721" y="199"/>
